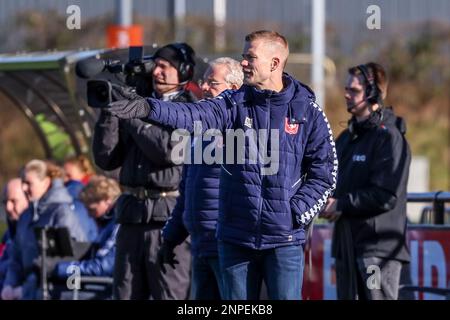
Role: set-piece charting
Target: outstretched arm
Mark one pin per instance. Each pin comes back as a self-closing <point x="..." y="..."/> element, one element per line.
<point x="211" y="114"/>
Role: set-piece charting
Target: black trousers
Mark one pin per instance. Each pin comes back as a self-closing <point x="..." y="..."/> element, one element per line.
<point x="374" y="279"/>
<point x="137" y="275"/>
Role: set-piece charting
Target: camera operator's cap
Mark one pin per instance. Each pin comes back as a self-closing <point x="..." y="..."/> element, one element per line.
<point x="179" y="55"/>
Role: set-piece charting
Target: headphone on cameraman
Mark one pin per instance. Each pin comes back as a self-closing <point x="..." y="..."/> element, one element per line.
<point x="373" y="93"/>
<point x="186" y="68"/>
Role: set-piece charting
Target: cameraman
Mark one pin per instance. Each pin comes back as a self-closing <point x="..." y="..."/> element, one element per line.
<point x="150" y="180"/>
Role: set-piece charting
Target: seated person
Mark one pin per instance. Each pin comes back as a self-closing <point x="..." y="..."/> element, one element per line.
<point x="15" y="203"/>
<point x="77" y="173"/>
<point x="78" y="169"/>
<point x="50" y="206"/>
<point x="99" y="196"/>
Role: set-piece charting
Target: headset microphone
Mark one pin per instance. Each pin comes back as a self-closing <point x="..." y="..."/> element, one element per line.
<point x="373" y="92"/>
<point x="353" y="106"/>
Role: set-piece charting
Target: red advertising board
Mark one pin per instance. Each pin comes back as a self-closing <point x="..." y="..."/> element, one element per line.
<point x="429" y="267"/>
<point x="124" y="36"/>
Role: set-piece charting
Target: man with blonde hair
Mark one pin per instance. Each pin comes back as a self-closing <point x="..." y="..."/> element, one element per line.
<point x="265" y="206"/>
<point x="197" y="207"/>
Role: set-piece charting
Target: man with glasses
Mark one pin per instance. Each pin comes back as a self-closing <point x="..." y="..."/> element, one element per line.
<point x="222" y="74"/>
<point x="197" y="208"/>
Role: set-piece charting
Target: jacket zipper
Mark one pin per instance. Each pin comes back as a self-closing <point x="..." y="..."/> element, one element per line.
<point x="223" y="167"/>
<point x="258" y="238"/>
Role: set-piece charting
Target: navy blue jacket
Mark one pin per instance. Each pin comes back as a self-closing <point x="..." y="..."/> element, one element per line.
<point x="263" y="208"/>
<point x="197" y="209"/>
<point x="74" y="188"/>
<point x="53" y="210"/>
<point x="100" y="261"/>
<point x="7" y="240"/>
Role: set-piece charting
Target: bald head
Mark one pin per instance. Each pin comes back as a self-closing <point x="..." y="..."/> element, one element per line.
<point x="15" y="199"/>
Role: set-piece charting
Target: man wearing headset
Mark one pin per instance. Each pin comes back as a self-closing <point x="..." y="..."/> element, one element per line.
<point x="142" y="151"/>
<point x="369" y="204"/>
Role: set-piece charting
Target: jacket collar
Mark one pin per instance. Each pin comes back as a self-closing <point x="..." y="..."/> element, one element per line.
<point x="276" y="98"/>
<point x="358" y="128"/>
<point x="106" y="219"/>
<point x="57" y="194"/>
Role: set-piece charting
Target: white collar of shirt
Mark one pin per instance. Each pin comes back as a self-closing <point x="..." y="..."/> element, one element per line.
<point x="167" y="96"/>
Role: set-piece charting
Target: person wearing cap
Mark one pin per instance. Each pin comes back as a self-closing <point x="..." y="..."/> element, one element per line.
<point x="150" y="179"/>
<point x="174" y="68"/>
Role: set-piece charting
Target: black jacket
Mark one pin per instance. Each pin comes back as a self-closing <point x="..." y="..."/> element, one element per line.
<point x="374" y="159"/>
<point x="142" y="151"/>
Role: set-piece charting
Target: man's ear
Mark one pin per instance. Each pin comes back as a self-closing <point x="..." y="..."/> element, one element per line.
<point x="234" y="87"/>
<point x="275" y="64"/>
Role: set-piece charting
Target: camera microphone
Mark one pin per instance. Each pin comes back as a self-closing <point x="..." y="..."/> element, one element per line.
<point x="91" y="67"/>
<point x="134" y="74"/>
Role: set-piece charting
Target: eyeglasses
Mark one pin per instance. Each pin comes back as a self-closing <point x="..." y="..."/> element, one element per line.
<point x="209" y="82"/>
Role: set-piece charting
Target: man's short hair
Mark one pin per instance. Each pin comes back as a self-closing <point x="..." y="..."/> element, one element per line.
<point x="267" y="35"/>
<point x="376" y="72"/>
<point x="271" y="37"/>
<point x="100" y="188"/>
<point x="234" y="75"/>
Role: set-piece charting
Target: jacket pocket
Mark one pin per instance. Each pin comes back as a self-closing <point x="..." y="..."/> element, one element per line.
<point x="294" y="224"/>
<point x="161" y="208"/>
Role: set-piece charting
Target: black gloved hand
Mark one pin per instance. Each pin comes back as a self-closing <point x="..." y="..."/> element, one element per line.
<point x="129" y="109"/>
<point x="167" y="256"/>
<point x="123" y="93"/>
